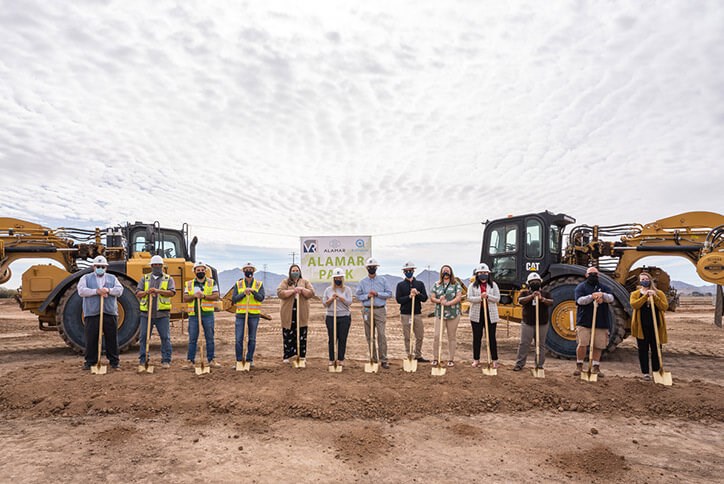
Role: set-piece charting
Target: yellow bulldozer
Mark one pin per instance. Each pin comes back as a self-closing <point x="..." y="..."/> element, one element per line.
<point x="515" y="246"/>
<point x="50" y="291"/>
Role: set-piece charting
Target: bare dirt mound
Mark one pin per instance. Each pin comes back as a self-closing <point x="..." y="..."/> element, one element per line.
<point x="598" y="464"/>
<point x="362" y="445"/>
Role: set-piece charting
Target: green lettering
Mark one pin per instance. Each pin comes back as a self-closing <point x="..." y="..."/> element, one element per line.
<point x="328" y="262"/>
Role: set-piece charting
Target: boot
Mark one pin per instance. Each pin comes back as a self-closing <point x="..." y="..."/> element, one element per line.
<point x="578" y="370"/>
<point x="597" y="370"/>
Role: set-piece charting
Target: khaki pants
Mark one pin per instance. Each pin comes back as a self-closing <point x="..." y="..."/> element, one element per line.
<point x="419" y="330"/>
<point x="381" y="339"/>
<point x="451" y="326"/>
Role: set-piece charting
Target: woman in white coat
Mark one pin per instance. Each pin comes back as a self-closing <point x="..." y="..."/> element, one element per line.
<point x="483" y="287"/>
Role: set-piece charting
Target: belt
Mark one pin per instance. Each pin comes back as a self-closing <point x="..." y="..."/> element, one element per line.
<point x="376" y="307"/>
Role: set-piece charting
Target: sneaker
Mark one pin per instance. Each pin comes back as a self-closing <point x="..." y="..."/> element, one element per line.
<point x="214" y="364"/>
<point x="475" y="363"/>
<point x="87" y="366"/>
<point x="578" y="370"/>
<point x="166" y="365"/>
<point x="251" y="363"/>
<point x="647" y="377"/>
<point x="385" y="365"/>
<point x="451" y="363"/>
<point x="597" y="371"/>
<point x="434" y="362"/>
<point x="422" y="360"/>
<point x="117" y="366"/>
<point x="285" y="360"/>
<point x="188" y="365"/>
<point x="495" y="364"/>
<point x="517" y="368"/>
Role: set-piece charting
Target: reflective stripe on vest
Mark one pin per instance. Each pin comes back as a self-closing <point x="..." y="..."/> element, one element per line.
<point x="164" y="303"/>
<point x="254" y="305"/>
<point x="206" y="306"/>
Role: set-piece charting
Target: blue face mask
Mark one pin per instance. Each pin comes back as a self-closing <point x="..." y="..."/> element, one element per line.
<point x="646" y="283"/>
<point x="409" y="274"/>
<point x="100" y="271"/>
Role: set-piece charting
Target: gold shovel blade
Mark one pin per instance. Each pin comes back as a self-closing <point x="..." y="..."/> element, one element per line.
<point x="99" y="369"/>
<point x="409" y="365"/>
<point x="590" y="377"/>
<point x="490" y="371"/>
<point x="438" y="371"/>
<point x="243" y="366"/>
<point x="372" y="367"/>
<point x="539" y="373"/>
<point x="299" y="363"/>
<point x="145" y="369"/>
<point x="663" y="378"/>
<point x="335" y="368"/>
<point x="202" y="369"/>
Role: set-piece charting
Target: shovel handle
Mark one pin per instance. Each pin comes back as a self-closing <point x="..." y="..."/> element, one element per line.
<point x="656" y="332"/>
<point x="593" y="338"/>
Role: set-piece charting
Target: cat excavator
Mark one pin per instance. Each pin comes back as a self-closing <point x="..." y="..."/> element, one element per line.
<point x="517" y="245"/>
<point x="50" y="291"/>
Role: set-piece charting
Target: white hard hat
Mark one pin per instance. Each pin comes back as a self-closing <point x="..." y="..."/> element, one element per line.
<point x="482" y="268"/>
<point x="248" y="264"/>
<point x="409" y="265"/>
<point x="199" y="264"/>
<point x="100" y="261"/>
<point x="533" y="276"/>
<point x="156" y="259"/>
<point x="338" y="273"/>
<point x="371" y="262"/>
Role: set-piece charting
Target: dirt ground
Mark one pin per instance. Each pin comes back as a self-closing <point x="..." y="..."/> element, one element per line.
<point x="278" y="423"/>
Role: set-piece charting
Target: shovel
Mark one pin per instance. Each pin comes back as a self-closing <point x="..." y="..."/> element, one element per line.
<point x="372" y="366"/>
<point x="146" y="367"/>
<point x="298" y="361"/>
<point x="244" y="365"/>
<point x="538" y="372"/>
<point x="201" y="368"/>
<point x="336" y="367"/>
<point x="589" y="375"/>
<point x="488" y="369"/>
<point x="661" y="377"/>
<point x="439" y="370"/>
<point x="409" y="364"/>
<point x="99" y="369"/>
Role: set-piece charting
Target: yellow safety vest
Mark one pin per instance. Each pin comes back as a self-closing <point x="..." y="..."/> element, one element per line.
<point x="254" y="305"/>
<point x="164" y="303"/>
<point x="206" y="306"/>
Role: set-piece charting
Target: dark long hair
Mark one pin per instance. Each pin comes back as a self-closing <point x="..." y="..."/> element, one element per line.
<point x="291" y="281"/>
<point x="452" y="274"/>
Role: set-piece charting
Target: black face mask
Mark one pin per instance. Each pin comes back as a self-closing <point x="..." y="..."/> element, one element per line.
<point x="200" y="275"/>
<point x="535" y="285"/>
<point x="593" y="279"/>
<point x="249" y="274"/>
<point x="409" y="274"/>
<point x="646" y="283"/>
<point x="338" y="282"/>
<point x="372" y="269"/>
<point x="482" y="277"/>
<point x="445" y="274"/>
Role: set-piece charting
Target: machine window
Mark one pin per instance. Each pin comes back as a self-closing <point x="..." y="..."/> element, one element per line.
<point x="555" y="234"/>
<point x="504" y="269"/>
<point x="533" y="239"/>
<point x="503" y="240"/>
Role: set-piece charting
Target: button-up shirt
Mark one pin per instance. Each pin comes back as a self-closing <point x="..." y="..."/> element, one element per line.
<point x="378" y="284"/>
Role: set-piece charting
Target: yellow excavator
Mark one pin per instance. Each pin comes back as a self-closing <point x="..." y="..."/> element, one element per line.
<point x="50" y="291"/>
<point x="515" y="246"/>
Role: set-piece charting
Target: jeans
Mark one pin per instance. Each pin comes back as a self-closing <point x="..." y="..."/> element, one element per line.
<point x="343" y="324"/>
<point x="207" y="321"/>
<point x="240" y="330"/>
<point x="164" y="332"/>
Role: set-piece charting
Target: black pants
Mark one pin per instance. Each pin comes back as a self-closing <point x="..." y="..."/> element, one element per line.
<point x="478" y="331"/>
<point x="645" y="345"/>
<point x="290" y="341"/>
<point x="343" y="324"/>
<point x="110" y="338"/>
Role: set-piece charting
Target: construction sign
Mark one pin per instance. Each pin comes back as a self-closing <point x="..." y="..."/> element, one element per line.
<point x="321" y="255"/>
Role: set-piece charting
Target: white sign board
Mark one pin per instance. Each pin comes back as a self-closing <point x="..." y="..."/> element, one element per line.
<point x="321" y="255"/>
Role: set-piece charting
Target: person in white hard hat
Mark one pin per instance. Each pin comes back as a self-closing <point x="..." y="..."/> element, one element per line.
<point x="484" y="288"/>
<point x="159" y="288"/>
<point x="446" y="294"/>
<point x="527" y="298"/>
<point x="291" y="315"/>
<point x="248" y="294"/>
<point x="341" y="295"/>
<point x="407" y="288"/>
<point x="98" y="288"/>
<point x="201" y="291"/>
<point x="377" y="287"/>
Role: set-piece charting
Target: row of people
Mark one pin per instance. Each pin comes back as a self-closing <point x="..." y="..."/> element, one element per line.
<point x="156" y="289"/>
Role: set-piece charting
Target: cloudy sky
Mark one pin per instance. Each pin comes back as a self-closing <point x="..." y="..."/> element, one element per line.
<point x="260" y="122"/>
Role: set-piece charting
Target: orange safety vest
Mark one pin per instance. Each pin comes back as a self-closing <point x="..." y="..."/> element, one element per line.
<point x="206" y="306"/>
<point x="241" y="304"/>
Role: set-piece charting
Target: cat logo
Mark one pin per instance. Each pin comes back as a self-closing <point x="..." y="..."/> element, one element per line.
<point x="310" y="246"/>
<point x="532" y="266"/>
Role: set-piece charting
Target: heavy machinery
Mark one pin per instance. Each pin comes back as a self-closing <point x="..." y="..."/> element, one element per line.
<point x="51" y="292"/>
<point x="515" y="246"/>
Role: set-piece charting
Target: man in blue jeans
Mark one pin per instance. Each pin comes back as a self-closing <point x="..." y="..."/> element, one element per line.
<point x="247" y="296"/>
<point x="159" y="288"/>
<point x="201" y="291"/>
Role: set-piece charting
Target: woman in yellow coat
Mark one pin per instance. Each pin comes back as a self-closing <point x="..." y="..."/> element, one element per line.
<point x="642" y="322"/>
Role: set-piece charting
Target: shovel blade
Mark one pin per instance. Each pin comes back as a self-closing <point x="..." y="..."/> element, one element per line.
<point x="409" y="365"/>
<point x="299" y="363"/>
<point x="438" y="371"/>
<point x="663" y="378"/>
<point x="539" y="373"/>
<point x="99" y="369"/>
<point x="243" y="366"/>
<point x="145" y="369"/>
<point x="202" y="369"/>
<point x="338" y="369"/>
<point x="590" y="377"/>
<point x="371" y="367"/>
<point x="490" y="371"/>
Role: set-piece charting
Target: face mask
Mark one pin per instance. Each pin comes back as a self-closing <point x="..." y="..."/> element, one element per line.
<point x="535" y="285"/>
<point x="646" y="283"/>
<point x="409" y="274"/>
<point x="249" y="274"/>
<point x="482" y="277"/>
<point x="445" y="274"/>
<point x="157" y="271"/>
<point x="100" y="271"/>
<point x="371" y="269"/>
<point x="296" y="275"/>
<point x="338" y="282"/>
<point x="200" y="275"/>
<point x="593" y="279"/>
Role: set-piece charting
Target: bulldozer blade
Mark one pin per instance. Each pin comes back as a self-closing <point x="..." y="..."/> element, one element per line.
<point x="438" y="370"/>
<point x="99" y="369"/>
<point x="372" y="367"/>
<point x="490" y="371"/>
<point x="589" y="376"/>
<point x="663" y="378"/>
<point x="299" y="363"/>
<point x="539" y="373"/>
<point x="243" y="366"/>
<point x="409" y="365"/>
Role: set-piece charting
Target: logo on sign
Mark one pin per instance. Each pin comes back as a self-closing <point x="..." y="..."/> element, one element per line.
<point x="310" y="246"/>
<point x="360" y="243"/>
<point x="334" y="243"/>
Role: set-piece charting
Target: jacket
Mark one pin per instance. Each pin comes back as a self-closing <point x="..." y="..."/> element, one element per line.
<point x="638" y="303"/>
<point x="285" y="312"/>
<point x="475" y="299"/>
<point x="402" y="295"/>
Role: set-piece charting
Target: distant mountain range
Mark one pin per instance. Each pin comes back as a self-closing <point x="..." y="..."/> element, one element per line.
<point x="686" y="289"/>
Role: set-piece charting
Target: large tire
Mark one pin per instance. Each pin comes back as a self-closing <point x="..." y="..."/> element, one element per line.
<point x="69" y="317"/>
<point x="560" y="341"/>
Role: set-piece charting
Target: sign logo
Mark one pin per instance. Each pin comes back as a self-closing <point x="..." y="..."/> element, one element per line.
<point x="334" y="243"/>
<point x="360" y="243"/>
<point x="310" y="246"/>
